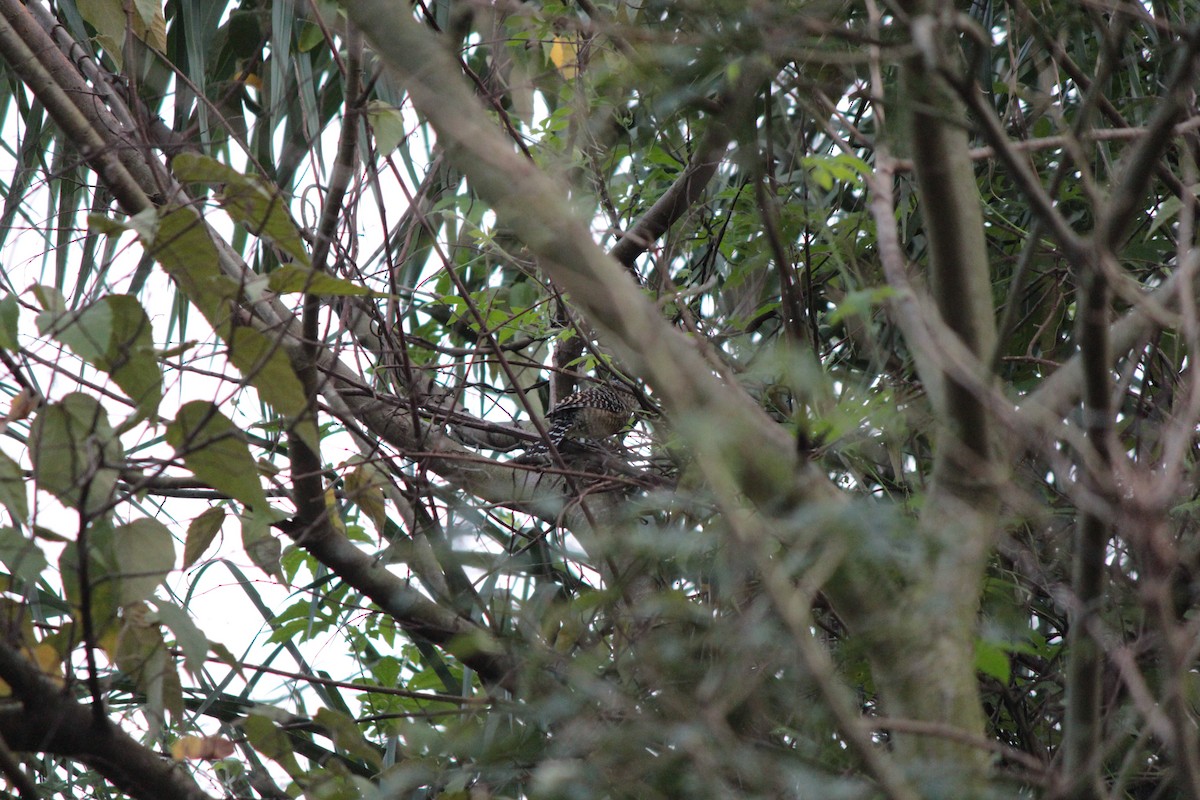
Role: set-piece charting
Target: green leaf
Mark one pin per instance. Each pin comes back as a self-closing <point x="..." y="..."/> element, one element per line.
<point x="9" y="317"/>
<point x="113" y="335"/>
<point x="388" y="124"/>
<point x="364" y="487"/>
<point x="293" y="278"/>
<point x="24" y="559"/>
<point x="180" y="242"/>
<point x="50" y="299"/>
<point x="859" y="303"/>
<point x="992" y="660"/>
<point x="267" y="368"/>
<point x="103" y="583"/>
<point x="130" y="357"/>
<point x="261" y="546"/>
<point x="108" y="18"/>
<point x="100" y="224"/>
<point x="144" y="554"/>
<point x="226" y="657"/>
<point x="200" y="534"/>
<point x="12" y="489"/>
<point x="310" y="36"/>
<point x="141" y="652"/>
<point x="190" y="638"/>
<point x="75" y="453"/>
<point x="257" y="205"/>
<point x="1168" y="210"/>
<point x="272" y="741"/>
<point x="86" y="332"/>
<point x="214" y="449"/>
<point x="345" y="734"/>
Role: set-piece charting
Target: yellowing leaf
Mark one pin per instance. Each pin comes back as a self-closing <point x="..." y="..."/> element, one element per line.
<point x="564" y="55"/>
<point x="23" y="404"/>
<point x="261" y="546"/>
<point x="200" y="534"/>
<point x="201" y="748"/>
<point x="335" y="518"/>
<point x="108" y="18"/>
<point x="47" y="660"/>
<point x="364" y="487"/>
<point x="150" y="23"/>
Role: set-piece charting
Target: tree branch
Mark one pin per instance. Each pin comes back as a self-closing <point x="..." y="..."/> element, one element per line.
<point x="49" y="720"/>
<point x="536" y="208"/>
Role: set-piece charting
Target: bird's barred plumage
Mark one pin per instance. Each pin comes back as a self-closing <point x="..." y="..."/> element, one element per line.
<point x="592" y="413"/>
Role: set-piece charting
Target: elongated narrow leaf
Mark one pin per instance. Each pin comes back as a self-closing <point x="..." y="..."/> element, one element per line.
<point x="292" y="278"/>
<point x="9" y="313"/>
<point x="190" y="638"/>
<point x="214" y="449"/>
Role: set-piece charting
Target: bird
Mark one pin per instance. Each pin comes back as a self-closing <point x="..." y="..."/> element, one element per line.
<point x="592" y="413"/>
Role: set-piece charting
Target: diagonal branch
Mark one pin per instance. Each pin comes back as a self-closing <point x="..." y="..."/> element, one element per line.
<point x="34" y="58"/>
<point x="49" y="720"/>
<point x="681" y="196"/>
<point x="762" y="454"/>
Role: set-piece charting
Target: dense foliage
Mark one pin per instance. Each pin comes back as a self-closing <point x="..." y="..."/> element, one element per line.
<point x="907" y="296"/>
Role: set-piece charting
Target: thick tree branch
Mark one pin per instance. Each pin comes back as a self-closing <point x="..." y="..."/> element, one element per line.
<point x="1081" y="724"/>
<point x="43" y="717"/>
<point x="1139" y="164"/>
<point x="930" y="622"/>
<point x="535" y="207"/>
<point x="418" y="615"/>
<point x="35" y="59"/>
<point x="135" y="190"/>
<point x="681" y="195"/>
